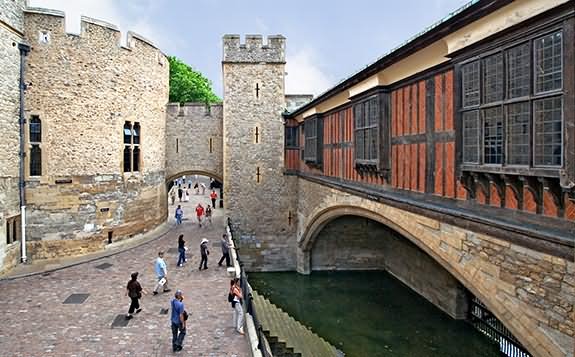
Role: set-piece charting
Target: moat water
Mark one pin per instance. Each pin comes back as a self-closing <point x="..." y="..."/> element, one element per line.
<point x="369" y="314"/>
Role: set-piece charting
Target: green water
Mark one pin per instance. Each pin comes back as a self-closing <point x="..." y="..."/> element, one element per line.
<point x="369" y="314"/>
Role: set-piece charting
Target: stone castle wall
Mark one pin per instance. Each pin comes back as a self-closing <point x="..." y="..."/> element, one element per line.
<point x="11" y="31"/>
<point x="84" y="88"/>
<point x="194" y="145"/>
<point x="259" y="199"/>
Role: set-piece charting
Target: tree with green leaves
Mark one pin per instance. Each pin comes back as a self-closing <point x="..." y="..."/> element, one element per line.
<point x="188" y="85"/>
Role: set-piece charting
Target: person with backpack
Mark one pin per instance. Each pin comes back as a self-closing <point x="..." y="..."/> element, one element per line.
<point x="236" y="295"/>
<point x="134" y="292"/>
<point x="209" y="214"/>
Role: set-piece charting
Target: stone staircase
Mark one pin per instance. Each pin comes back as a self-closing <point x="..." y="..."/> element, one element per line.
<point x="286" y="336"/>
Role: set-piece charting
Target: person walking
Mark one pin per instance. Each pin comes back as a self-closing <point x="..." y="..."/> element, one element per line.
<point x="181" y="250"/>
<point x="214" y="196"/>
<point x="209" y="214"/>
<point x="196" y="188"/>
<point x="225" y="251"/>
<point x="180" y="193"/>
<point x="178" y="319"/>
<point x="236" y="291"/>
<point x="199" y="213"/>
<point x="161" y="273"/>
<point x="173" y="195"/>
<point x="204" y="252"/>
<point x="179" y="214"/>
<point x="203" y="187"/>
<point x="134" y="292"/>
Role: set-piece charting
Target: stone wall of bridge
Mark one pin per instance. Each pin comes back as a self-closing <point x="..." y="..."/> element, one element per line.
<point x="531" y="292"/>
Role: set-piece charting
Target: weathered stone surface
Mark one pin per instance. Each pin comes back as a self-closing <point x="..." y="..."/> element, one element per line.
<point x="11" y="27"/>
<point x="259" y="199"/>
<point x="529" y="291"/>
<point x="195" y="139"/>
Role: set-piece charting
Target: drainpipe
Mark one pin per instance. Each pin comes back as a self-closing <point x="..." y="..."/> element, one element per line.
<point x="24" y="49"/>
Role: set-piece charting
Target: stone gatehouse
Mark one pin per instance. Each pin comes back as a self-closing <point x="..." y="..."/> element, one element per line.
<point x="449" y="162"/>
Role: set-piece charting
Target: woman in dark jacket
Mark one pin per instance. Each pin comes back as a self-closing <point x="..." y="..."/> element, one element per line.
<point x="181" y="250"/>
<point x="134" y="292"/>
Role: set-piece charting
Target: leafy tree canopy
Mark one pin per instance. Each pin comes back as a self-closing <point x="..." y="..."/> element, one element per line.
<point x="188" y="85"/>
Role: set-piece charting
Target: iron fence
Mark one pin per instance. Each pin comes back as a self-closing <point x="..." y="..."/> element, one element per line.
<point x="488" y="324"/>
<point x="248" y="298"/>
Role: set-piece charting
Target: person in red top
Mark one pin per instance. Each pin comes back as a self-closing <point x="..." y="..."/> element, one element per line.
<point x="214" y="196"/>
<point x="199" y="213"/>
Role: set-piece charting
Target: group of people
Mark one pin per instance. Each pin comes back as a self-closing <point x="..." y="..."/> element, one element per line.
<point x="179" y="315"/>
<point x="184" y="194"/>
<point x="200" y="213"/>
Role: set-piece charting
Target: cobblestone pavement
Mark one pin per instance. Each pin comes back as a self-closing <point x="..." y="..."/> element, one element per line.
<point x="36" y="322"/>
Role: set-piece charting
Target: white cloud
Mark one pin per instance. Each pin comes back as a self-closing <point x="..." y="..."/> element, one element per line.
<point x="304" y="76"/>
<point x="136" y="19"/>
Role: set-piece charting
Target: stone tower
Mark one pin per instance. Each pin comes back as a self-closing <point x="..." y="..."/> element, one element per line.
<point x="258" y="197"/>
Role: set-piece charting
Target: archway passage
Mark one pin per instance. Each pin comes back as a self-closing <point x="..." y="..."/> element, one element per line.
<point x="344" y="237"/>
<point x="189" y="173"/>
<point x="205" y="180"/>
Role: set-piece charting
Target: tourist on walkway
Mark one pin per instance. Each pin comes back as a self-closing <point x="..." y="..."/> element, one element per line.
<point x="203" y="187"/>
<point x="180" y="193"/>
<point x="196" y="187"/>
<point x="209" y="214"/>
<point x="225" y="250"/>
<point x="161" y="274"/>
<point x="214" y="196"/>
<point x="181" y="250"/>
<point x="179" y="214"/>
<point x="199" y="213"/>
<point x="204" y="252"/>
<point x="236" y="291"/>
<point x="134" y="292"/>
<point x="178" y="319"/>
<point x="173" y="195"/>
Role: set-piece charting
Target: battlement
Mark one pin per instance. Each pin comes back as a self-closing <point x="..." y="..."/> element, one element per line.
<point x="254" y="50"/>
<point x="51" y="24"/>
<point x="195" y="110"/>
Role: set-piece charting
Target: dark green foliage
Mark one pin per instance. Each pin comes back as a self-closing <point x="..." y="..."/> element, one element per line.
<point x="187" y="85"/>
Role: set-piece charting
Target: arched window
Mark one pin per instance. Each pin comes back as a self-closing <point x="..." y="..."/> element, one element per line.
<point x="127" y="158"/>
<point x="136" y="159"/>
<point x="127" y="133"/>
<point x="35" y="160"/>
<point x="35" y="129"/>
<point x="136" y="133"/>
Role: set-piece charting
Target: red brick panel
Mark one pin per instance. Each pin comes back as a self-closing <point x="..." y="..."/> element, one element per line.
<point x="291" y="159"/>
<point x="421" y="106"/>
<point x="394" y="165"/>
<point x="399" y="112"/>
<point x="439" y="168"/>
<point x="449" y="101"/>
<point x="439" y="103"/>
<point x="450" y="169"/>
<point x="414" y="165"/>
<point x="394" y="113"/>
<point x="549" y="207"/>
<point x="400" y="161"/>
<point x="480" y="196"/>
<point x="406" y="166"/>
<point x="569" y="209"/>
<point x="421" y="162"/>
<point x="529" y="203"/>
<point x="510" y="199"/>
<point x="461" y="192"/>
<point x="406" y="112"/>
<point x="414" y="109"/>
<point x="494" y="199"/>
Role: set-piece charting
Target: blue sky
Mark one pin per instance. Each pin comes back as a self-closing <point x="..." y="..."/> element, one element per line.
<point x="327" y="41"/>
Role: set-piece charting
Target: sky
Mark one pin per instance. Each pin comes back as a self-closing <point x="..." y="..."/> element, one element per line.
<point x="326" y="41"/>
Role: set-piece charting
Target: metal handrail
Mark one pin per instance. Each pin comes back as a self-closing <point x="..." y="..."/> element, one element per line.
<point x="248" y="298"/>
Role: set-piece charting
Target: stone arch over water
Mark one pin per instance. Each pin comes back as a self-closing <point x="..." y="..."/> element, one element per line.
<point x="446" y="245"/>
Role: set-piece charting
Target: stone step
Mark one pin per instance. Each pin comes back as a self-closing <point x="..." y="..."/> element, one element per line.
<point x="288" y="334"/>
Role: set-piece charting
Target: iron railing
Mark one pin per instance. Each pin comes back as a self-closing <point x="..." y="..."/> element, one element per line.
<point x="248" y="299"/>
<point x="488" y="324"/>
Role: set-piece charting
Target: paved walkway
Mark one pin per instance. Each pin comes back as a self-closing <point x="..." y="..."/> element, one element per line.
<point x="36" y="322"/>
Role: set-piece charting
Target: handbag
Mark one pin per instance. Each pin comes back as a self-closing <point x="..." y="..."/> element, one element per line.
<point x="230" y="297"/>
<point x="185" y="313"/>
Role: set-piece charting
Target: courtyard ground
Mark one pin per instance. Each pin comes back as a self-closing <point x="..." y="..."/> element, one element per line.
<point x="36" y="322"/>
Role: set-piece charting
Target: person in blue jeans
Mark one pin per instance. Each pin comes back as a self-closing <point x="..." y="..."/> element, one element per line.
<point x="181" y="250"/>
<point x="179" y="214"/>
<point x="178" y="321"/>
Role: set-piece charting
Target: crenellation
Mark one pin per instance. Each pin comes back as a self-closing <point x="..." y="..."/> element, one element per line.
<point x="254" y="50"/>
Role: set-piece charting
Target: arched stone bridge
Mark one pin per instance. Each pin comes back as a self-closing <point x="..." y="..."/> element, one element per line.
<point x="529" y="291"/>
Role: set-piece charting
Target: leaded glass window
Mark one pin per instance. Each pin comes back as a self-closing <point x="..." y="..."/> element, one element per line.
<point x="518" y="69"/>
<point x="518" y="133"/>
<point x="35" y="160"/>
<point x="470" y="77"/>
<point x="493" y="135"/>
<point x="548" y="64"/>
<point x="35" y="129"/>
<point x="548" y="131"/>
<point x="493" y="78"/>
<point x="471" y="135"/>
<point x="367" y="116"/>
<point x="310" y="133"/>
